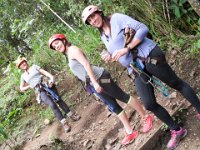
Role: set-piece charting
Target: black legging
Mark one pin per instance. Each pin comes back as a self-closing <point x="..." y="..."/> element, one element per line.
<point x="46" y="99"/>
<point x="111" y="92"/>
<point x="164" y="72"/>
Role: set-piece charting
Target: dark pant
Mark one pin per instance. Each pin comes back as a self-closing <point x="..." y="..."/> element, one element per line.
<point x="164" y="72"/>
<point x="111" y="92"/>
<point x="46" y="99"/>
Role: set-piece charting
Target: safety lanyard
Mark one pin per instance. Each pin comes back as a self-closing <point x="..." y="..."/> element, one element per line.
<point x="156" y="83"/>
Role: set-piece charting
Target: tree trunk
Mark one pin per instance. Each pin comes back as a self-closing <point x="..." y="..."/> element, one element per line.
<point x="195" y="5"/>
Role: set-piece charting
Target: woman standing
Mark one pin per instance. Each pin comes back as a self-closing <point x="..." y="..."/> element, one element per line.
<point x="101" y="84"/>
<point x="149" y="57"/>
<point x="46" y="93"/>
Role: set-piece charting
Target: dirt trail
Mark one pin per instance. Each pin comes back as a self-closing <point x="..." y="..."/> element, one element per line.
<point x="97" y="131"/>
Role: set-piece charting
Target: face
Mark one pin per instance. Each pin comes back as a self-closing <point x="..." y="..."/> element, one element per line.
<point x="23" y="65"/>
<point x="95" y="20"/>
<point x="58" y="45"/>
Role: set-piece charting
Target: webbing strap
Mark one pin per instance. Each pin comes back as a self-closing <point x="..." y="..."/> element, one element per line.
<point x="156" y="83"/>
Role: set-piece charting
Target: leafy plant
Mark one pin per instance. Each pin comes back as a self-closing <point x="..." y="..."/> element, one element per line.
<point x="184" y="14"/>
<point x="3" y="134"/>
<point x="178" y="8"/>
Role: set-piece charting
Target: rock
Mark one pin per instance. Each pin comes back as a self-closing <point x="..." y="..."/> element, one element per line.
<point x="108" y="114"/>
<point x="37" y="135"/>
<point x="117" y="146"/>
<point x="46" y="121"/>
<point x="173" y="95"/>
<point x="108" y="147"/>
<point x="88" y="144"/>
<point x="100" y="122"/>
<point x="112" y="141"/>
<point x="167" y="103"/>
<point x="192" y="73"/>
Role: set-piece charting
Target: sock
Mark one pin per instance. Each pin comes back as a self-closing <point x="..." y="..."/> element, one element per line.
<point x="129" y="132"/>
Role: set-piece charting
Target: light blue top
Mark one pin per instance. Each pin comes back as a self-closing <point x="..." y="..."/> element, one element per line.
<point x="33" y="76"/>
<point x="115" y="42"/>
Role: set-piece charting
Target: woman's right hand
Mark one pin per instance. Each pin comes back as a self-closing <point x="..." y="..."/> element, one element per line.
<point x="24" y="88"/>
<point x="98" y="88"/>
<point x="105" y="56"/>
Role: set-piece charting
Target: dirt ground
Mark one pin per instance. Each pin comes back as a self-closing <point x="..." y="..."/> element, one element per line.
<point x="192" y="124"/>
<point x="98" y="129"/>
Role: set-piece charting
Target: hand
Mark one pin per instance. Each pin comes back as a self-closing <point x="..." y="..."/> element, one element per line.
<point x="118" y="53"/>
<point x="25" y="88"/>
<point x="106" y="56"/>
<point x="50" y="83"/>
<point x="97" y="88"/>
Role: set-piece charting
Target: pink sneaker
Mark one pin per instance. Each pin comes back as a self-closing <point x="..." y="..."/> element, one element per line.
<point x="129" y="137"/>
<point x="176" y="136"/>
<point x="198" y="116"/>
<point x="147" y="123"/>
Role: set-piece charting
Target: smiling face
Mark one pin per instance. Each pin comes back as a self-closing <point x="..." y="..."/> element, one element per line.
<point x="23" y="65"/>
<point x="58" y="45"/>
<point x="95" y="20"/>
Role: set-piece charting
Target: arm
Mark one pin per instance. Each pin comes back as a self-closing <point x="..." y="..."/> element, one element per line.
<point x="141" y="29"/>
<point x="47" y="74"/>
<point x="76" y="53"/>
<point x="106" y="56"/>
<point x="23" y="86"/>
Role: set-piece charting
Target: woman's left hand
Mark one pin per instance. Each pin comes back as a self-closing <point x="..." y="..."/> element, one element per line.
<point x="118" y="53"/>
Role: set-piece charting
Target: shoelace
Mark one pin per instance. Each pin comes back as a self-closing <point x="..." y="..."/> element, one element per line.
<point x="173" y="134"/>
<point x="144" y="121"/>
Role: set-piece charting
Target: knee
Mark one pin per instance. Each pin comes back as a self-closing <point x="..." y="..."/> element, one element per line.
<point x="117" y="110"/>
<point x="176" y="84"/>
<point x="150" y="106"/>
<point x="52" y="105"/>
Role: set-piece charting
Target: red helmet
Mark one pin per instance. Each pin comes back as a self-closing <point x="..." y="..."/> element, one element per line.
<point x="19" y="61"/>
<point x="55" y="37"/>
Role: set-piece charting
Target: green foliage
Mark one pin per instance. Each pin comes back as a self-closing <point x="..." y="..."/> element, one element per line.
<point x="184" y="15"/>
<point x="178" y="8"/>
<point x="46" y="114"/>
<point x="194" y="49"/>
<point x="7" y="121"/>
<point x="3" y="134"/>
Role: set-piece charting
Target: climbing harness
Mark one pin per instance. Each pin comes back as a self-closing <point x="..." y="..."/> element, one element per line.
<point x="50" y="92"/>
<point x="156" y="83"/>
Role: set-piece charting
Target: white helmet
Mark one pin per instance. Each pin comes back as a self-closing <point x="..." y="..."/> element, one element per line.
<point x="88" y="11"/>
